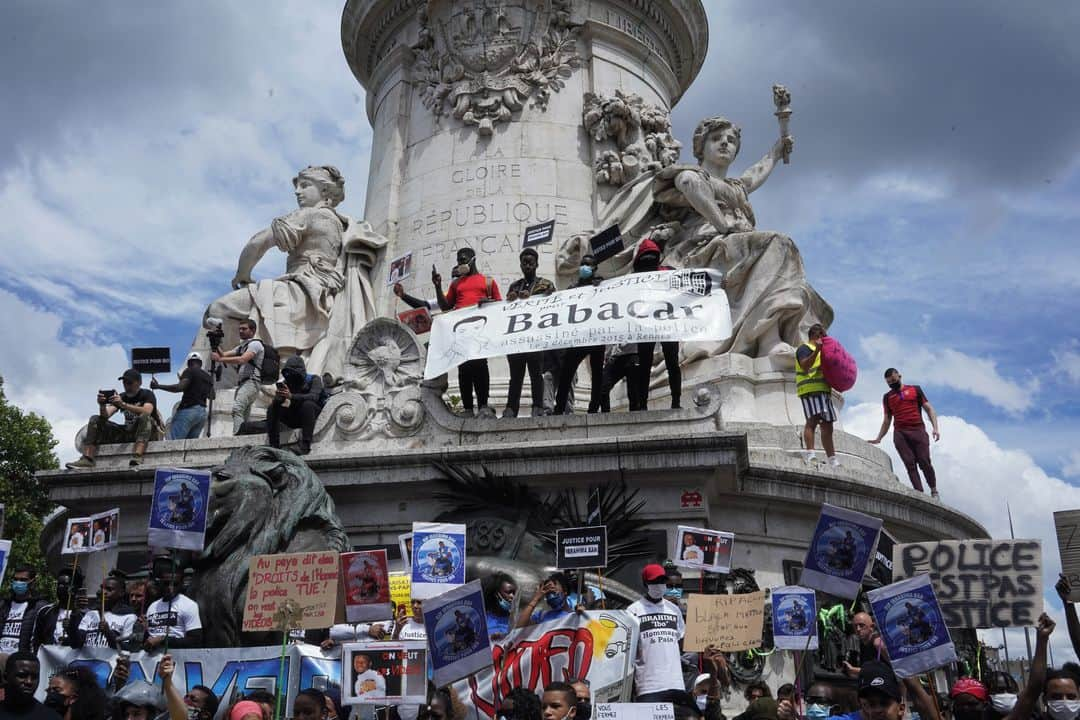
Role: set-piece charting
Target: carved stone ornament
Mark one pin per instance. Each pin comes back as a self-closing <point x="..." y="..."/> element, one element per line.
<point x="483" y="59"/>
<point x="640" y="132"/>
<point x="382" y="386"/>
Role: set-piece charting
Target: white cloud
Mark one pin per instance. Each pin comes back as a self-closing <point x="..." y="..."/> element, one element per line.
<point x="1071" y="468"/>
<point x="1067" y="361"/>
<point x="946" y="367"/>
<point x="979" y="477"/>
<point x="51" y="377"/>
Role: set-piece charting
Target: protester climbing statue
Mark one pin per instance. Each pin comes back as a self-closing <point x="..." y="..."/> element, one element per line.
<point x="701" y="217"/>
<point x="325" y="296"/>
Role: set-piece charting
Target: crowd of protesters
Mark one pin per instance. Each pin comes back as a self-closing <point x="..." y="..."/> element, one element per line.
<point x="132" y="614"/>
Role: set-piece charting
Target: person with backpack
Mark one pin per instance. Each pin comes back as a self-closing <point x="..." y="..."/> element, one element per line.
<point x="470" y="288"/>
<point x="251" y="356"/>
<point x="297" y="403"/>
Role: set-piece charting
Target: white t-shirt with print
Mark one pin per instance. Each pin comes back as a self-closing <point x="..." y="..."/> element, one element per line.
<point x="178" y="618"/>
<point x="413" y="630"/>
<point x="661" y="626"/>
<point x="122" y="625"/>
<point x="9" y="639"/>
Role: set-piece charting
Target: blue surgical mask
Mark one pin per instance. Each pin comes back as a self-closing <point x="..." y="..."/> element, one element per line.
<point x="673" y="593"/>
<point x="504" y="603"/>
<point x="20" y="587"/>
<point x="585" y="272"/>
<point x="555" y="600"/>
<point x="817" y="712"/>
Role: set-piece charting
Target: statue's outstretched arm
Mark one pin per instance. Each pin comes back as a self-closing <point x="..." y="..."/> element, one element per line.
<point x="250" y="256"/>
<point x="756" y="175"/>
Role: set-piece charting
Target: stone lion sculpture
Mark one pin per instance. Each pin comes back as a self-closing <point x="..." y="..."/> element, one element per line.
<point x="264" y="501"/>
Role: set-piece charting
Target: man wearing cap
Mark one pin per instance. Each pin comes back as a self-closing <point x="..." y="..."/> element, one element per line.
<point x="139" y="408"/>
<point x="970" y="699"/>
<point x="881" y="698"/>
<point x="647" y="259"/>
<point x="658" y="667"/>
<point x="197" y="387"/>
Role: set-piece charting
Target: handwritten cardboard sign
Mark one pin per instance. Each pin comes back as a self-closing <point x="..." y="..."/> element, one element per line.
<point x="730" y="622"/>
<point x="979" y="583"/>
<point x="294" y="591"/>
<point x="1067" y="524"/>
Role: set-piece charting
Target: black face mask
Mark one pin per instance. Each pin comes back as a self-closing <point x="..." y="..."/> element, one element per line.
<point x="895" y="385"/>
<point x="584" y="710"/>
<point x="55" y="701"/>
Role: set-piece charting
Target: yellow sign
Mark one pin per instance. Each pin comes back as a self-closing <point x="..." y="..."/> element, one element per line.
<point x="400" y="589"/>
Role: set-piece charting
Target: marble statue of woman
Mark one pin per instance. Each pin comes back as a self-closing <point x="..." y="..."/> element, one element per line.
<point x="703" y="218"/>
<point x="325" y="296"/>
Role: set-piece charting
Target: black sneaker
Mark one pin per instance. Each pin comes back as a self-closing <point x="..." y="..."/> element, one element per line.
<point x="83" y="463"/>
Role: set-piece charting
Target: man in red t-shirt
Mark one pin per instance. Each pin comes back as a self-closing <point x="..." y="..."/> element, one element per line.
<point x="905" y="404"/>
<point x="470" y="288"/>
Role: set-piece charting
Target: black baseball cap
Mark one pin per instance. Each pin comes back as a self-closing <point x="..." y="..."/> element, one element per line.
<point x="131" y="374"/>
<point x="878" y="677"/>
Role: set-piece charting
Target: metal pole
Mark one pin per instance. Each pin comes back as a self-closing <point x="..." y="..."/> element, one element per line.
<point x="1012" y="534"/>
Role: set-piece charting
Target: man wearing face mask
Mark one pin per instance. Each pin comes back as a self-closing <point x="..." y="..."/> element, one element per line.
<point x="905" y="404"/>
<point x="559" y="702"/>
<point x="1058" y="689"/>
<point x="555" y="605"/>
<point x="970" y="699"/>
<point x="583" y="694"/>
<point x="706" y="691"/>
<point x="648" y="260"/>
<point x="499" y="601"/>
<point x="22" y="671"/>
<point x="658" y="667"/>
<point x="470" y="288"/>
<point x="55" y="625"/>
<point x="1003" y="691"/>
<point x="572" y="357"/>
<point x="19" y="613"/>
<point x="174" y="615"/>
<point x="304" y="394"/>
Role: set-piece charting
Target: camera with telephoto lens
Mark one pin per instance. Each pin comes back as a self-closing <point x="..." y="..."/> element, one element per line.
<point x="215" y="334"/>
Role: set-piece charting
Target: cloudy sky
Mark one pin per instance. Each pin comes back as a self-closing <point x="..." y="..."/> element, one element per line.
<point x="933" y="192"/>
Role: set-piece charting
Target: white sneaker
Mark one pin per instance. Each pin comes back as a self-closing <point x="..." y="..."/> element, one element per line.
<point x="834" y="461"/>
<point x="808" y="457"/>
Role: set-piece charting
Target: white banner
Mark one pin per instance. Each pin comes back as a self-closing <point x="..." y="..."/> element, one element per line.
<point x="670" y="305"/>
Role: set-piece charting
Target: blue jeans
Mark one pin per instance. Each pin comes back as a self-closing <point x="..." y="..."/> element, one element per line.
<point x="188" y="423"/>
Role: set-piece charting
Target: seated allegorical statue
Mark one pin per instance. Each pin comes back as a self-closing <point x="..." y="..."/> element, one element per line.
<point x="702" y="218"/>
<point x="325" y="296"/>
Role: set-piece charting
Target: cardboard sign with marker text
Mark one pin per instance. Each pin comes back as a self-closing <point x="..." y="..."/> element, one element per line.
<point x="730" y="622"/>
<point x="978" y="583"/>
<point x="1067" y="524"/>
<point x="294" y="590"/>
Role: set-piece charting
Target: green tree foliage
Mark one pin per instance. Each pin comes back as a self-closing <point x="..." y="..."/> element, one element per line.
<point x="26" y="446"/>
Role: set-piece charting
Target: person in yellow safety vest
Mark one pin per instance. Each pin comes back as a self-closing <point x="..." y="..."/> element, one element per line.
<point x="816" y="396"/>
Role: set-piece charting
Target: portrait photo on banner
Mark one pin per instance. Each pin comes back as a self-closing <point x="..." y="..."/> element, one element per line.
<point x="909" y="618"/>
<point x="841" y="548"/>
<point x="367" y="585"/>
<point x="77" y="536"/>
<point x="384" y="673"/>
<point x="105" y="529"/>
<point x="703" y="549"/>
<point x="457" y="633"/>
<point x="178" y="510"/>
<point x="438" y="558"/>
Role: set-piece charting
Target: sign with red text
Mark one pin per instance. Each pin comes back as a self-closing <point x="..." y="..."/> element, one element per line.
<point x="292" y="591"/>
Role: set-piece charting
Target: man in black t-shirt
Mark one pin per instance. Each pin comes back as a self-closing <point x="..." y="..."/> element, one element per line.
<point x="197" y="387"/>
<point x="141" y="421"/>
<point x="297" y="404"/>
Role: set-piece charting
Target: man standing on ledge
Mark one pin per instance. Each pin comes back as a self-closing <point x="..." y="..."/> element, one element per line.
<point x="816" y="396"/>
<point x="470" y="288"/>
<point x="905" y="403"/>
<point x="528" y="285"/>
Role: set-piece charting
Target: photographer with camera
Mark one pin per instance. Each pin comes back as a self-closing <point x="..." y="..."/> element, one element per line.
<point x="297" y="403"/>
<point x="197" y="387"/>
<point x="141" y="422"/>
<point x="249" y="356"/>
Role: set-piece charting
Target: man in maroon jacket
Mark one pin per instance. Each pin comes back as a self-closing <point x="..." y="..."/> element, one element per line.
<point x="906" y="403"/>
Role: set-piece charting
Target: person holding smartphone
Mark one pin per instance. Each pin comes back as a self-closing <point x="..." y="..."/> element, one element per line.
<point x="298" y="400"/>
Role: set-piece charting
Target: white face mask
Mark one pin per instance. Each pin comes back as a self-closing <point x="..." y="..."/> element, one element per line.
<point x="655" y="591"/>
<point x="702" y="701"/>
<point x="1003" y="702"/>
<point x="1063" y="709"/>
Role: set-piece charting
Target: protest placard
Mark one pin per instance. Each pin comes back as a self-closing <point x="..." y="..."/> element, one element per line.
<point x="703" y="549"/>
<point x="405" y="543"/>
<point x="296" y="591"/>
<point x="538" y="234"/>
<point x="583" y="547"/>
<point x="910" y="622"/>
<point x="105" y="529"/>
<point x="5" y="553"/>
<point x="1067" y="524"/>
<point x="178" y="509"/>
<point x="418" y="320"/>
<point x="77" y="536"/>
<point x="438" y="558"/>
<point x="367" y="586"/>
<point x="676" y="305"/>
<point x="607" y="243"/>
<point x="633" y="711"/>
<point x="881" y="568"/>
<point x="794" y="618"/>
<point x="979" y="583"/>
<point x="457" y="633"/>
<point x="400" y="268"/>
<point x="151" y="360"/>
<point x="384" y="673"/>
<point x="400" y="589"/>
<point x="842" y="546"/>
<point x="728" y="622"/>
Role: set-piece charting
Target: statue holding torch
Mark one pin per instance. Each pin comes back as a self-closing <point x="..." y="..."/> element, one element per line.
<point x="782" y="100"/>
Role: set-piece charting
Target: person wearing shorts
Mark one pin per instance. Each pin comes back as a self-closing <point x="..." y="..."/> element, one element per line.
<point x="816" y="396"/>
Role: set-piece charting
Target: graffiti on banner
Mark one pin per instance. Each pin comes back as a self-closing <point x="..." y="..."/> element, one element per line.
<point x="979" y="583"/>
<point x="682" y="305"/>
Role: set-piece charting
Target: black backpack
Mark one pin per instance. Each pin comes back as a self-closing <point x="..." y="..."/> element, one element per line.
<point x="270" y="370"/>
